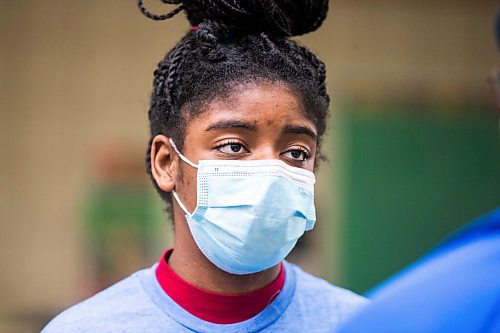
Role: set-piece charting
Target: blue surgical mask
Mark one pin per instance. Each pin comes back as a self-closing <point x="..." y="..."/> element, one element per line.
<point x="249" y="214"/>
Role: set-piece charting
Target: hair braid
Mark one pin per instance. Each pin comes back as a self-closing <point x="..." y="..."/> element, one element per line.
<point x="162" y="17"/>
<point x="164" y="96"/>
<point x="320" y="68"/>
<point x="266" y="42"/>
<point x="177" y="60"/>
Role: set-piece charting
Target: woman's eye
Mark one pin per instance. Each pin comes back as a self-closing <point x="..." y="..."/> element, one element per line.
<point x="232" y="148"/>
<point x="297" y="155"/>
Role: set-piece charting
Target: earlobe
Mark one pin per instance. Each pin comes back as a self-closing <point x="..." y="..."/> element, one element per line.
<point x="164" y="163"/>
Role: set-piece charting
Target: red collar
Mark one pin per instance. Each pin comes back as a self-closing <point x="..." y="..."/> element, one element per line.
<point x="216" y="307"/>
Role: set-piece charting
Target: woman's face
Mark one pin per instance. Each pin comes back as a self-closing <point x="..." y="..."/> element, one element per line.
<point x="257" y="122"/>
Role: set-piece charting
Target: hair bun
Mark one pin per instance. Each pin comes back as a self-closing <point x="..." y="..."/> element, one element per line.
<point x="275" y="17"/>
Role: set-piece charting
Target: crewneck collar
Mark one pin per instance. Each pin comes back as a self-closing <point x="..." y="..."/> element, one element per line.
<point x="215" y="307"/>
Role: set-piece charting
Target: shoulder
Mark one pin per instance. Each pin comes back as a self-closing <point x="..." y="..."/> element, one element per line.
<point x="460" y="276"/>
<point x="315" y="288"/>
<point x="123" y="303"/>
<point x="323" y="298"/>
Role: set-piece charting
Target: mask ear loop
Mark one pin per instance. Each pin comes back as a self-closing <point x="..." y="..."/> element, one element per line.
<point x="185" y="159"/>
<point x="176" y="197"/>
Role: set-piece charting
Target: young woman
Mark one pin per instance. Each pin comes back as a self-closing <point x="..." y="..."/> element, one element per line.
<point x="237" y="114"/>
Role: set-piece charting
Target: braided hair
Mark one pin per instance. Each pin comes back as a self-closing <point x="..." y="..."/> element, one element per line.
<point x="233" y="43"/>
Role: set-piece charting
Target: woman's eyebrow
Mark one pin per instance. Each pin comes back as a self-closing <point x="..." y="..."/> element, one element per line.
<point x="232" y="124"/>
<point x="297" y="129"/>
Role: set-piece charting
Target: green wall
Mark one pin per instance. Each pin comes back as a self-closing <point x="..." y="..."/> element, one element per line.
<point x="411" y="178"/>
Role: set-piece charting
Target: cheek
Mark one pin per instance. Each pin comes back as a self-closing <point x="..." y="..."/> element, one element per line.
<point x="187" y="180"/>
<point x="187" y="176"/>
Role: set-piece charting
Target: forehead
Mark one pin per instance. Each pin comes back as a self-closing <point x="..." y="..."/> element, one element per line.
<point x="257" y="102"/>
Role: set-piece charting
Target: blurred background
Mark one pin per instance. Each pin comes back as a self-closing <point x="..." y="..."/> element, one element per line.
<point x="413" y="143"/>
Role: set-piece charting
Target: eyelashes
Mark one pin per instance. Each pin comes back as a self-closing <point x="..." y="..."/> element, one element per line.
<point x="237" y="149"/>
<point x="297" y="154"/>
<point x="232" y="147"/>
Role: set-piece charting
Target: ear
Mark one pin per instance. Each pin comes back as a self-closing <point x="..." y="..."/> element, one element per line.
<point x="164" y="163"/>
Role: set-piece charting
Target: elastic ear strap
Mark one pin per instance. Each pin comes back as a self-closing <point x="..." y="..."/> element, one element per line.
<point x="176" y="197"/>
<point x="184" y="158"/>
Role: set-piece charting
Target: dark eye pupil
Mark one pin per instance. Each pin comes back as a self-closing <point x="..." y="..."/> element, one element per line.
<point x="296" y="154"/>
<point x="235" y="148"/>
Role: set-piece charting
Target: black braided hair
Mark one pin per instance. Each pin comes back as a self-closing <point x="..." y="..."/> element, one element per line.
<point x="232" y="43"/>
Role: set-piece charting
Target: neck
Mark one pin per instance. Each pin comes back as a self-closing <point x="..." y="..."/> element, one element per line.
<point x="189" y="263"/>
